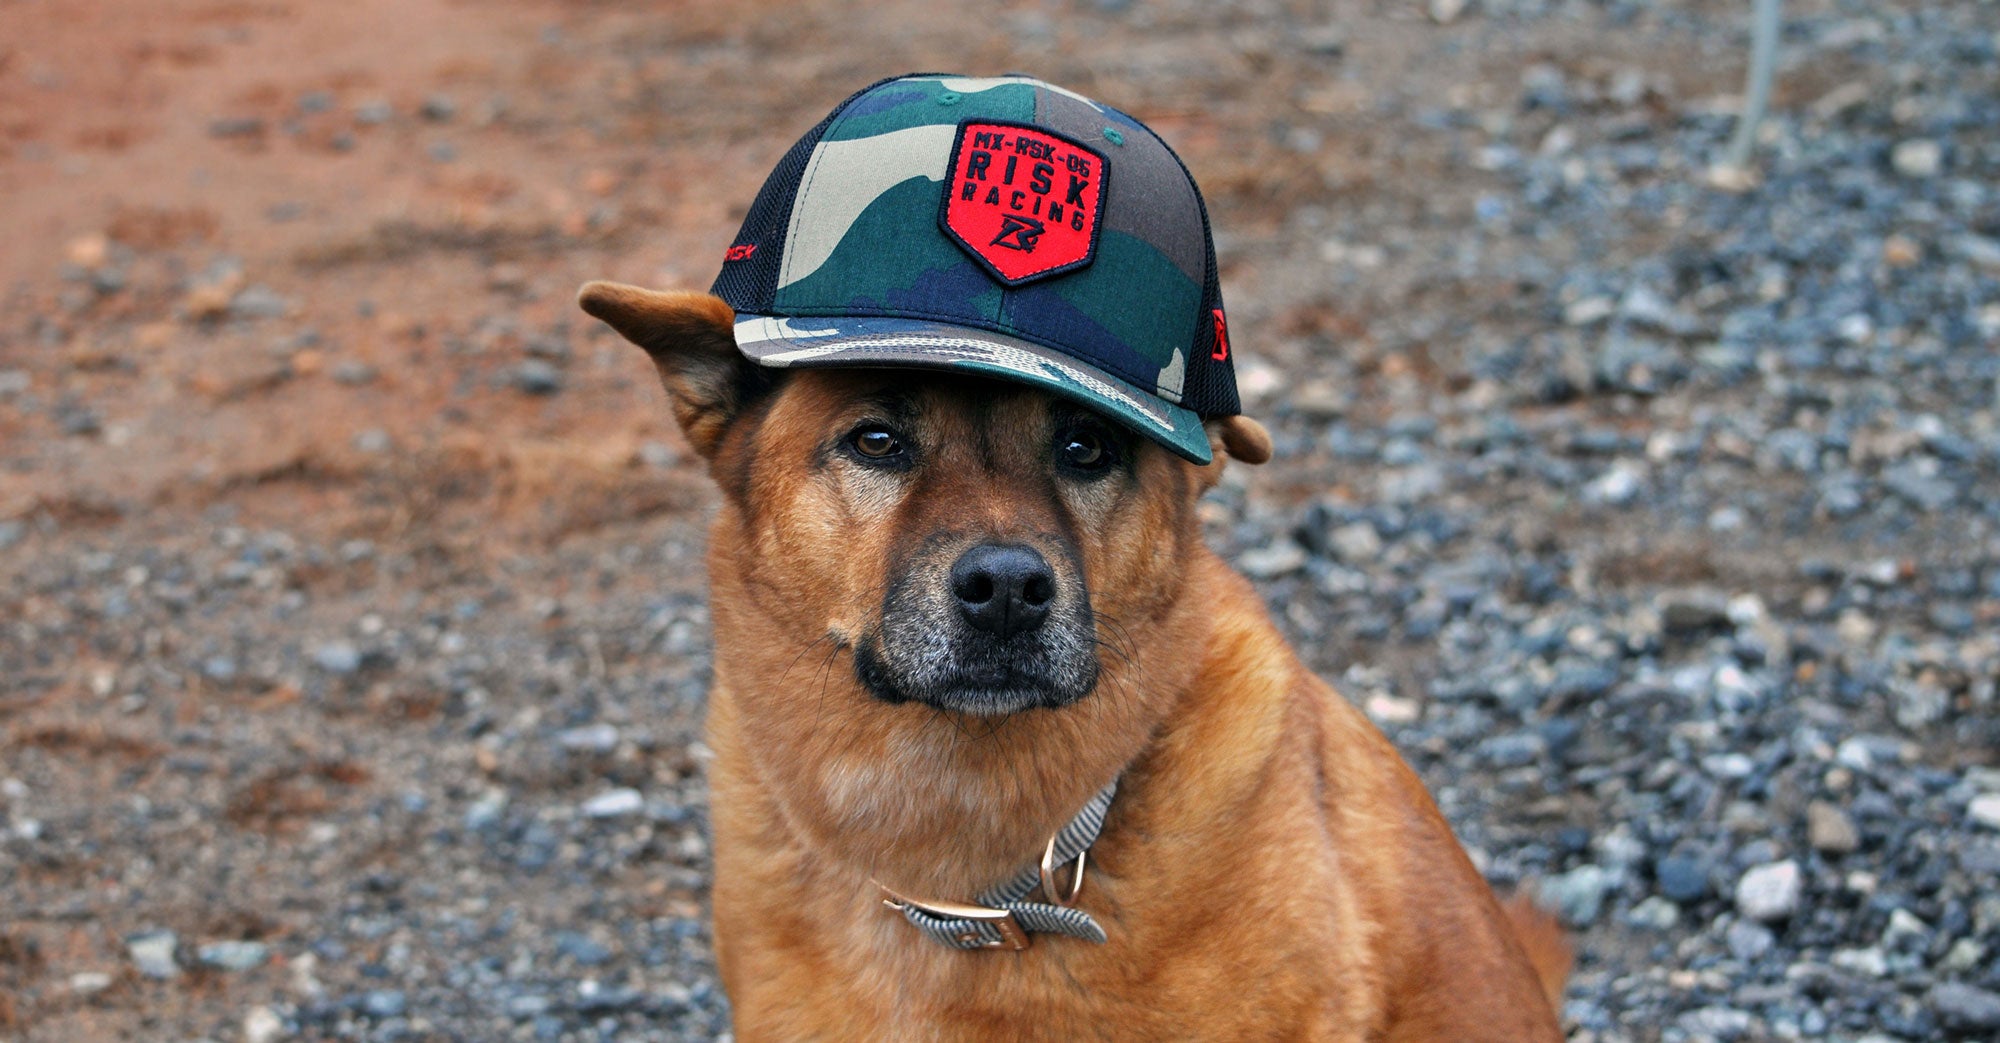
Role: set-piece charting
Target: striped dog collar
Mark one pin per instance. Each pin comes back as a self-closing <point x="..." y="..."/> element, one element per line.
<point x="1004" y="917"/>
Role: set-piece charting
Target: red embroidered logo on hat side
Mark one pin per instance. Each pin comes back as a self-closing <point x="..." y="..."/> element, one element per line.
<point x="1021" y="200"/>
<point x="1221" y="351"/>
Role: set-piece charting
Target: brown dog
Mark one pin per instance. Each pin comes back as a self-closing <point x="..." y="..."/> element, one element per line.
<point x="889" y="718"/>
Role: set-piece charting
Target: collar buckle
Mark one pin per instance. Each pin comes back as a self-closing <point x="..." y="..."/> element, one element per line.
<point x="1047" y="870"/>
<point x="1012" y="936"/>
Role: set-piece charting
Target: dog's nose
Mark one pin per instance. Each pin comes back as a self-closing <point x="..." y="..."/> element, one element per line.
<point x="1003" y="589"/>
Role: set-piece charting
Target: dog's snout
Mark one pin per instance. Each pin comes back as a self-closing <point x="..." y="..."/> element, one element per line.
<point x="985" y="626"/>
<point x="1003" y="589"/>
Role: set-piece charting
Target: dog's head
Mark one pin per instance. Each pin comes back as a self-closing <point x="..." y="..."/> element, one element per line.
<point x="978" y="546"/>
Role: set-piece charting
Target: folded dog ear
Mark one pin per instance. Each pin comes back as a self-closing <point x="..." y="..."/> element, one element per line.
<point x="691" y="337"/>
<point x="1241" y="437"/>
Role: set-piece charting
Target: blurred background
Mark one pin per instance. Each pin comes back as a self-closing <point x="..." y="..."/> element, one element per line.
<point x="352" y="632"/>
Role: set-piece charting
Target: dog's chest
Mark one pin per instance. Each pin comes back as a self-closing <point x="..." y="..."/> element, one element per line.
<point x="877" y="978"/>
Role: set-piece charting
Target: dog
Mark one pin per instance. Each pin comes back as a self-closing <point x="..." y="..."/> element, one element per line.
<point x="1002" y="751"/>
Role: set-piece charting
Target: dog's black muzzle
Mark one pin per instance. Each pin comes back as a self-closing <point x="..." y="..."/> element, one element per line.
<point x="998" y="631"/>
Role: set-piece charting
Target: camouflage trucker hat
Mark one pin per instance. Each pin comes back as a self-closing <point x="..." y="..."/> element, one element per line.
<point x="1002" y="226"/>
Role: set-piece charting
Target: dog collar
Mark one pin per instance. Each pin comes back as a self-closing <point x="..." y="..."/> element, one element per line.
<point x="1003" y="917"/>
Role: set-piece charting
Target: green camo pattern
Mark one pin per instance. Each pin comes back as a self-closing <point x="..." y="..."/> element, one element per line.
<point x="863" y="237"/>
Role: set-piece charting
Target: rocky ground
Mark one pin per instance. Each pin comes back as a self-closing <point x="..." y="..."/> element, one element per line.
<point x="351" y="621"/>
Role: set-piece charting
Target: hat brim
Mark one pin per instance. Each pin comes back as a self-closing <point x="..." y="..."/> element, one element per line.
<point x="810" y="342"/>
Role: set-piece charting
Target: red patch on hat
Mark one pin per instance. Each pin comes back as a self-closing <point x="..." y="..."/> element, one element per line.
<point x="1023" y="201"/>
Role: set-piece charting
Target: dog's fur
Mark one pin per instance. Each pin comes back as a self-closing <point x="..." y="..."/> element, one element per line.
<point x="1270" y="869"/>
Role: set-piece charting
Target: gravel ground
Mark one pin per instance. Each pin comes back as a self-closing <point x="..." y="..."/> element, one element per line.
<point x="351" y="617"/>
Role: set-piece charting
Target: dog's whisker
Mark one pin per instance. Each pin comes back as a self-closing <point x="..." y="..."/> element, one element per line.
<point x="826" y="676"/>
<point x="1114" y="648"/>
<point x="1117" y="627"/>
<point x="1129" y="643"/>
<point x="802" y="654"/>
<point x="1120" y="641"/>
<point x="953" y="720"/>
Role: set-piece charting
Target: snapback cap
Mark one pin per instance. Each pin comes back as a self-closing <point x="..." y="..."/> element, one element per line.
<point x="1003" y="226"/>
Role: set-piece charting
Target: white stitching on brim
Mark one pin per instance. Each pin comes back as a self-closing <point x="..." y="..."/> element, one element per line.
<point x="1006" y="357"/>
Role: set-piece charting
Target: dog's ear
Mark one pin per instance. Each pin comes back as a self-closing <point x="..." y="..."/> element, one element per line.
<point x="691" y="337"/>
<point x="1239" y="436"/>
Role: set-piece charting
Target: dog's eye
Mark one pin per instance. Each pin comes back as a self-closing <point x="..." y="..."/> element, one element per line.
<point x="874" y="442"/>
<point x="1086" y="452"/>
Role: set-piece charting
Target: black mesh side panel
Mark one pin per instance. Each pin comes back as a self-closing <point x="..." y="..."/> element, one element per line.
<point x="751" y="284"/>
<point x="1209" y="388"/>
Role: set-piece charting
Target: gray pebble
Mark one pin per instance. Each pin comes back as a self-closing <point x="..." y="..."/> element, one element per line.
<point x="528" y="1006"/>
<point x="259" y="302"/>
<point x="1965" y="1008"/>
<point x="537" y="377"/>
<point x="1280" y="558"/>
<point x="1918" y="157"/>
<point x="337" y="657"/>
<point x="384" y="1003"/>
<point x="89" y="983"/>
<point x="1918" y="483"/>
<point x="1829" y="829"/>
<point x="1984" y="810"/>
<point x="78" y="420"/>
<point x="354" y="374"/>
<point x="551" y="346"/>
<point x="581" y="948"/>
<point x="1685" y="611"/>
<point x="1516" y="750"/>
<point x="487" y="810"/>
<point x="614" y="803"/>
<point x="1770" y="892"/>
<point x="1616" y="487"/>
<point x="1720" y="1023"/>
<point x="438" y="108"/>
<point x="152" y="953"/>
<point x="1869" y="962"/>
<point x="1578" y="895"/>
<point x="589" y="738"/>
<point x="1357" y="543"/>
<point x="1906" y="932"/>
<point x="595" y="998"/>
<point x="1747" y="940"/>
<point x="1980" y="252"/>
<point x="1654" y="914"/>
<point x="233" y="956"/>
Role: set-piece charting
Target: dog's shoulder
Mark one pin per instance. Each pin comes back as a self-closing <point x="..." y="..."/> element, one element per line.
<point x="1441" y="934"/>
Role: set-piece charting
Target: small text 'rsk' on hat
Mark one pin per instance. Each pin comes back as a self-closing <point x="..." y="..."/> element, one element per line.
<point x="1001" y="226"/>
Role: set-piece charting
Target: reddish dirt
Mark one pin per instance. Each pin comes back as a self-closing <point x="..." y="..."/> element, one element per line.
<point x="586" y="140"/>
<point x="384" y="256"/>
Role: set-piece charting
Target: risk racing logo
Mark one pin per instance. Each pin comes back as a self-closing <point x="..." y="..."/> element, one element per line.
<point x="1019" y="233"/>
<point x="1023" y="201"/>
